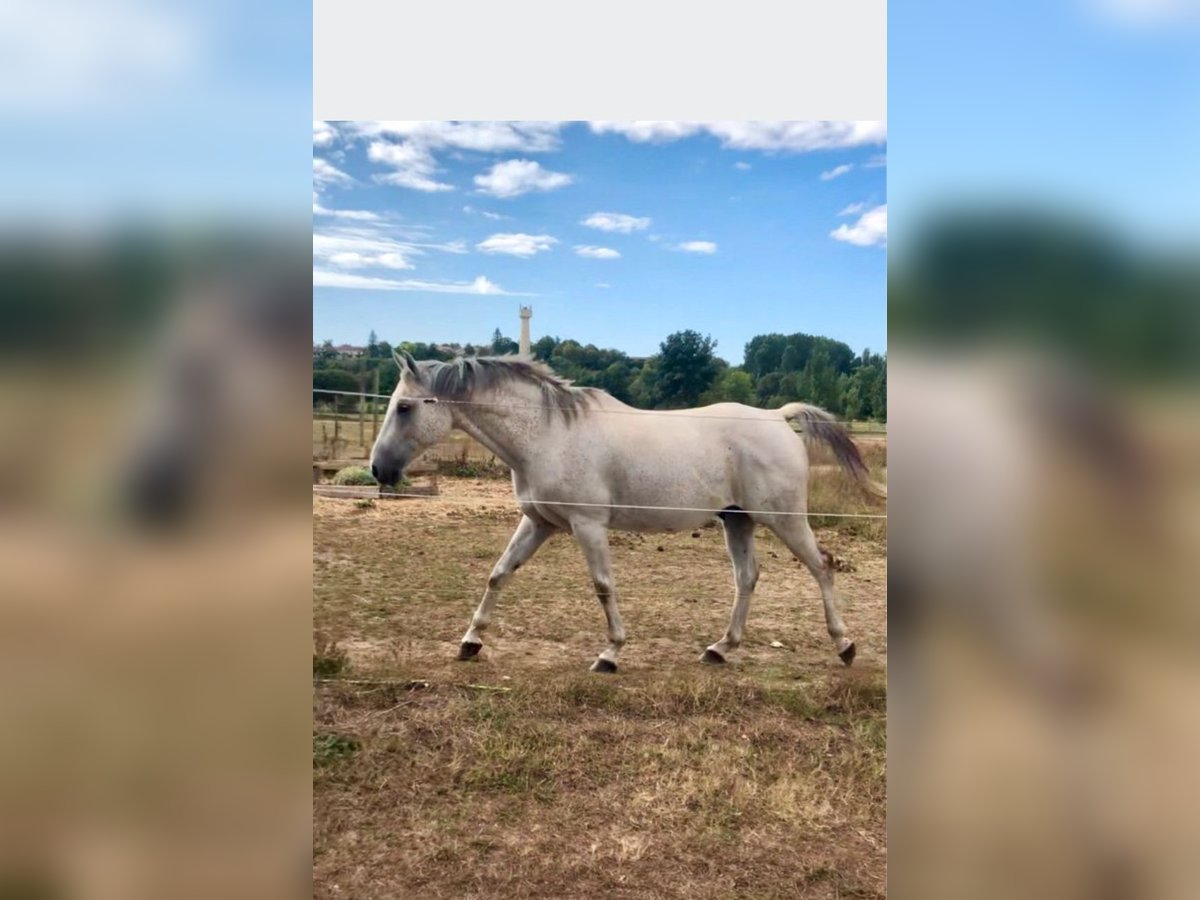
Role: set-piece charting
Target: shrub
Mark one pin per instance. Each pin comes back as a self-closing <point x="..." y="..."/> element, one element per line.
<point x="356" y="475"/>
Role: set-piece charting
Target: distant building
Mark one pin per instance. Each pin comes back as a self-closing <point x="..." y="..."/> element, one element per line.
<point x="350" y="350"/>
<point x="526" y="313"/>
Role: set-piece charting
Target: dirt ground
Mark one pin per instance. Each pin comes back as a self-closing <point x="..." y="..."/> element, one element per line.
<point x="521" y="774"/>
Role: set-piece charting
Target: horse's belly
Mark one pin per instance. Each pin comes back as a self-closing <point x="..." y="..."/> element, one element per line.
<point x="639" y="495"/>
<point x="657" y="520"/>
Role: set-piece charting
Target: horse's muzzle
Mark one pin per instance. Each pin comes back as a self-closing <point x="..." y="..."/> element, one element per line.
<point x="388" y="472"/>
<point x="386" y="475"/>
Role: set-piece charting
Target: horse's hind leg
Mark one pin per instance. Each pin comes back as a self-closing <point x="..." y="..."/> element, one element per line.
<point x="594" y="541"/>
<point x="795" y="533"/>
<point x="739" y="540"/>
<point x="530" y="534"/>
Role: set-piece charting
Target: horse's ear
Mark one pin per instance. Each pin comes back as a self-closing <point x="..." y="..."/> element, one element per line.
<point x="405" y="361"/>
<point x="408" y="367"/>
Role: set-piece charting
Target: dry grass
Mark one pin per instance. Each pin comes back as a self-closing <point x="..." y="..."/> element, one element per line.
<point x="709" y="785"/>
<point x="523" y="775"/>
<point x="831" y="490"/>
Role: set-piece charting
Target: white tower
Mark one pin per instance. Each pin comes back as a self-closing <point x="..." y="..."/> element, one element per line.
<point x="526" y="315"/>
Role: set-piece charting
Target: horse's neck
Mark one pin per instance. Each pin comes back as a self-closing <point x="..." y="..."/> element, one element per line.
<point x="507" y="425"/>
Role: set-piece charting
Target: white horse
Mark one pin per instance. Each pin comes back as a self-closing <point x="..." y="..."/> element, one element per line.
<point x="585" y="463"/>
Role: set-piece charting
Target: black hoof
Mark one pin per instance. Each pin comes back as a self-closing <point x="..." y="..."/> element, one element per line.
<point x="607" y="666"/>
<point x="847" y="655"/>
<point x="469" y="651"/>
<point x="712" y="657"/>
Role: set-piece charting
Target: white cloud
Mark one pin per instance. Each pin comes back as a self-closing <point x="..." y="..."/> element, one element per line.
<point x="484" y="137"/>
<point x="619" y="222"/>
<point x="603" y="284"/>
<point x="413" y="165"/>
<point x="356" y="248"/>
<point x="355" y="215"/>
<point x="596" y="252"/>
<point x="869" y="231"/>
<point x="325" y="173"/>
<point x="480" y="286"/>
<point x="351" y="260"/>
<point x="470" y="211"/>
<point x="743" y="166"/>
<point x="836" y="172"/>
<point x="409" y="147"/>
<point x="706" y="247"/>
<point x="361" y="246"/>
<point x="648" y="131"/>
<point x="323" y="133"/>
<point x="853" y="209"/>
<point x="798" y="137"/>
<point x="524" y="245"/>
<point x="793" y="137"/>
<point x="519" y="176"/>
<point x="878" y="161"/>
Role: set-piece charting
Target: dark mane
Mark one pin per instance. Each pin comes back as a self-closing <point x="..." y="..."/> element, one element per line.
<point x="466" y="376"/>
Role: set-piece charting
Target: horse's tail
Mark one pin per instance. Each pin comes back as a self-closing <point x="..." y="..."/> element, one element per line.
<point x="818" y="425"/>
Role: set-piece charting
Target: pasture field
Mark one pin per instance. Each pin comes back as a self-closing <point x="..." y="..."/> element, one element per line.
<point x="520" y="774"/>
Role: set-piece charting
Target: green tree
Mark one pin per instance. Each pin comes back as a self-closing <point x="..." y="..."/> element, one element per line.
<point x="324" y="356"/>
<point x="731" y="386"/>
<point x="767" y="388"/>
<point x="338" y="380"/>
<point x="644" y="390"/>
<point x="687" y="368"/>
<point x="543" y="348"/>
<point x="792" y="360"/>
<point x="818" y="383"/>
<point x="764" y="354"/>
<point x="502" y="344"/>
<point x="616" y="379"/>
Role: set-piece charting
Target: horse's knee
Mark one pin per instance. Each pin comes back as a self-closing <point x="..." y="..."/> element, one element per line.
<point x="497" y="578"/>
<point x="747" y="581"/>
<point x="604" y="589"/>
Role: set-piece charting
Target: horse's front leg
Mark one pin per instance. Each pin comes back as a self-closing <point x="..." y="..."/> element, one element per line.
<point x="594" y="540"/>
<point x="530" y="534"/>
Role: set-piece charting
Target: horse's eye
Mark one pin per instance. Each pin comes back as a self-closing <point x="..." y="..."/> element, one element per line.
<point x="403" y="407"/>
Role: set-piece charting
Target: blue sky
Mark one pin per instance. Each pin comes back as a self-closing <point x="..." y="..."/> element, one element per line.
<point x="616" y="233"/>
<point x="1087" y="107"/>
<point x="161" y="110"/>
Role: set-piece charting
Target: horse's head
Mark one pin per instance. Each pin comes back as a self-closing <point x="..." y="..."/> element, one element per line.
<point x="415" y="421"/>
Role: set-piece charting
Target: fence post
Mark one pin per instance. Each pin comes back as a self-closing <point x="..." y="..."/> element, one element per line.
<point x="375" y="410"/>
<point x="362" y="411"/>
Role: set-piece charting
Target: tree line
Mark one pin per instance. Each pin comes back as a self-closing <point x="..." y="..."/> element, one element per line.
<point x="686" y="371"/>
